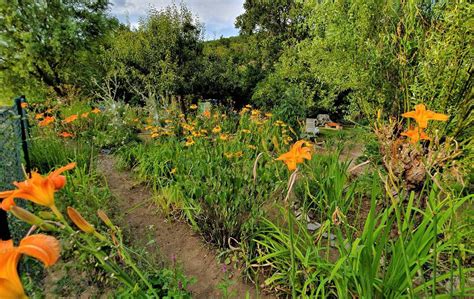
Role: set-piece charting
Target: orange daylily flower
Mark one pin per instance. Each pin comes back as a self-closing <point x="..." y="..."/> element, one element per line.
<point x="296" y="155"/>
<point x="24" y="105"/>
<point x="415" y="134"/>
<point x="95" y="110"/>
<point x="422" y="116"/>
<point x="38" y="189"/>
<point x="207" y="114"/>
<point x="46" y="121"/>
<point x="70" y="119"/>
<point x="66" y="134"/>
<point x="39" y="115"/>
<point x="85" y="114"/>
<point x="42" y="247"/>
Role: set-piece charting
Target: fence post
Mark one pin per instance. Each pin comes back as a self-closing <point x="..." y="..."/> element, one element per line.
<point x="24" y="135"/>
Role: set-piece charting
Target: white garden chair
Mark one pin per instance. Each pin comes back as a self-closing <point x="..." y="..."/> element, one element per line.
<point x="311" y="130"/>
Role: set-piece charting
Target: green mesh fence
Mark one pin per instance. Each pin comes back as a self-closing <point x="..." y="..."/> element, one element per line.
<point x="10" y="160"/>
<point x="10" y="147"/>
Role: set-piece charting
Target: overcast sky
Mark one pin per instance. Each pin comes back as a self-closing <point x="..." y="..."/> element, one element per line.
<point x="218" y="16"/>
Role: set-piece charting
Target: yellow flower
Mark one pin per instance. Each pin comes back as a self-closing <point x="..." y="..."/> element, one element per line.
<point x="224" y="137"/>
<point x="296" y="155"/>
<point x="173" y="171"/>
<point x="244" y="110"/>
<point x="279" y="123"/>
<point x="252" y="147"/>
<point x="238" y="154"/>
<point x="189" y="142"/>
<point x="255" y="112"/>
<point x="422" y="116"/>
<point x="196" y="134"/>
<point x="216" y="130"/>
<point x="245" y="131"/>
<point x="268" y="115"/>
<point x="193" y="107"/>
<point x="228" y="155"/>
<point x="168" y="121"/>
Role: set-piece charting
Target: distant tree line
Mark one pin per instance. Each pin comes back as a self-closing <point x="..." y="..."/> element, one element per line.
<point x="298" y="58"/>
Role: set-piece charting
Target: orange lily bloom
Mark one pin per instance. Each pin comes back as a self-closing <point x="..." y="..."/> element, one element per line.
<point x="422" y="116"/>
<point x="42" y="247"/>
<point x="38" y="189"/>
<point x="24" y="105"/>
<point x="96" y="111"/>
<point x="415" y="134"/>
<point x="46" y="121"/>
<point x="66" y="134"/>
<point x="207" y="114"/>
<point x="296" y="155"/>
<point x="39" y="115"/>
<point x="70" y="119"/>
<point x="85" y="114"/>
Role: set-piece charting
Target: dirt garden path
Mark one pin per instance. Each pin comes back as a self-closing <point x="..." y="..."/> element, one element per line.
<point x="161" y="236"/>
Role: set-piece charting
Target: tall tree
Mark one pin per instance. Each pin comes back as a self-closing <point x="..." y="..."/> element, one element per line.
<point x="160" y="58"/>
<point x="42" y="42"/>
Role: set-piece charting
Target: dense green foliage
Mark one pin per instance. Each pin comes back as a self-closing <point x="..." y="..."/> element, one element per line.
<point x="51" y="45"/>
<point x="400" y="229"/>
<point x="159" y="59"/>
<point x="364" y="55"/>
<point x="348" y="58"/>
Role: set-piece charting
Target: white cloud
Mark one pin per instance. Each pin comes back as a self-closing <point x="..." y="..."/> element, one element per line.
<point x="218" y="16"/>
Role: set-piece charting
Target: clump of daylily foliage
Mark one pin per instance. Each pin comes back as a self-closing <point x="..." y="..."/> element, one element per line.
<point x="308" y="227"/>
<point x="289" y="213"/>
<point x="105" y="246"/>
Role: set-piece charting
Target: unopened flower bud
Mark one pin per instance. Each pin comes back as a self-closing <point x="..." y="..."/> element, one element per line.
<point x="59" y="182"/>
<point x="79" y="221"/>
<point x="26" y="216"/>
<point x="46" y="215"/>
<point x="105" y="218"/>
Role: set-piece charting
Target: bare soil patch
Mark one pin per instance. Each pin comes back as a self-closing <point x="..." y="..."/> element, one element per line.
<point x="161" y="236"/>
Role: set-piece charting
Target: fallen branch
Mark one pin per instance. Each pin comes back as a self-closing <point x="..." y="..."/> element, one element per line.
<point x="359" y="165"/>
